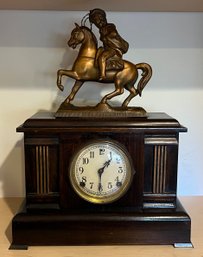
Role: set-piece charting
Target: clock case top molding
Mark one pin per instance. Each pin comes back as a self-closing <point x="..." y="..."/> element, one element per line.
<point x="113" y="5"/>
<point x="150" y="204"/>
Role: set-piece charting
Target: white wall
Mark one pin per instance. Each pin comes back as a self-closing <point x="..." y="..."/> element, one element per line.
<point x="33" y="47"/>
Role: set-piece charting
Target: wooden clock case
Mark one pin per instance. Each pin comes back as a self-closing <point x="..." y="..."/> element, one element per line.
<point x="53" y="214"/>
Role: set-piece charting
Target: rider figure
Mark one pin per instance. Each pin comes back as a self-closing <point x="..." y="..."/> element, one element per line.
<point x="113" y="44"/>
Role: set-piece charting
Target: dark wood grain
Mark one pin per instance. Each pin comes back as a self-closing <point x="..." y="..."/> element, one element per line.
<point x="148" y="213"/>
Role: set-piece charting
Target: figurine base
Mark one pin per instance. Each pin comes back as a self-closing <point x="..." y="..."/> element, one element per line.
<point x="120" y="228"/>
<point x="101" y="110"/>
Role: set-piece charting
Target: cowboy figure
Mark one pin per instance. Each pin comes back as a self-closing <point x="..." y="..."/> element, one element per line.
<point x="114" y="46"/>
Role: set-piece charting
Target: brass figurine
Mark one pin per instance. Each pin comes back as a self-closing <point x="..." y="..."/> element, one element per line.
<point x="104" y="64"/>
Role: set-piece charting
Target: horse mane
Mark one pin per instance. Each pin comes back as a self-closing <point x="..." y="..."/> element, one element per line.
<point x="91" y="32"/>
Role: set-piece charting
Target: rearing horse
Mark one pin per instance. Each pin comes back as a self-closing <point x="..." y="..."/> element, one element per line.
<point x="86" y="69"/>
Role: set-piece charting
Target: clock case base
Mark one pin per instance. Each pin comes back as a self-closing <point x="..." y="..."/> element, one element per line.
<point x="148" y="227"/>
<point x="53" y="214"/>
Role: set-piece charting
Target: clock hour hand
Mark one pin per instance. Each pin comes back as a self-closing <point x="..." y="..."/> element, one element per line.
<point x="107" y="163"/>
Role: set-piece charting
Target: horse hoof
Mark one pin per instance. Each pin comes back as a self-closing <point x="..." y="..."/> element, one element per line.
<point x="103" y="101"/>
<point x="61" y="87"/>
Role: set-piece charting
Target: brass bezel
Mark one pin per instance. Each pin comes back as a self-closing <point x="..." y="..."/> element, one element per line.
<point x="114" y="196"/>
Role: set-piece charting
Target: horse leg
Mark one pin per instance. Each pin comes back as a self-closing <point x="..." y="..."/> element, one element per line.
<point x="74" y="90"/>
<point x="117" y="91"/>
<point x="133" y="93"/>
<point x="68" y="73"/>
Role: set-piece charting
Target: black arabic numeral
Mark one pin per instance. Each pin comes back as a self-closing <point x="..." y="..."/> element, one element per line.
<point x="120" y="170"/>
<point x="83" y="182"/>
<point x="110" y="185"/>
<point x="91" y="154"/>
<point x="101" y="151"/>
<point x="85" y="160"/>
<point x="91" y="185"/>
<point x="81" y="169"/>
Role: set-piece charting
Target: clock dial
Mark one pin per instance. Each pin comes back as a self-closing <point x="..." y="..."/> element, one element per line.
<point x="101" y="171"/>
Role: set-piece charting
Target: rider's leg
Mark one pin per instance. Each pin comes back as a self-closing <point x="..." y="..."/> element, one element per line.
<point x="104" y="56"/>
<point x="99" y="52"/>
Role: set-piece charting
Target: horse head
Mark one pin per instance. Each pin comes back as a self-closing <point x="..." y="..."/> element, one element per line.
<point x="79" y="34"/>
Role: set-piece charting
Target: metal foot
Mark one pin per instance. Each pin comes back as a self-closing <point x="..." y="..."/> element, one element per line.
<point x="183" y="245"/>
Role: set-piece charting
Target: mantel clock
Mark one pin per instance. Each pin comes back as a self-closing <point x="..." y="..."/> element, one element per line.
<point x="101" y="175"/>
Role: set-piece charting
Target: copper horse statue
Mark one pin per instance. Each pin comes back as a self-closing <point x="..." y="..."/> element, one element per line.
<point x="86" y="69"/>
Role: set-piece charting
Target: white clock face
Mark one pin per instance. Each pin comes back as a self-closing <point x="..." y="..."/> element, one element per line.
<point x="101" y="171"/>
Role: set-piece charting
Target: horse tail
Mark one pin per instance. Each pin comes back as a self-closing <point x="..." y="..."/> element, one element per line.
<point x="146" y="76"/>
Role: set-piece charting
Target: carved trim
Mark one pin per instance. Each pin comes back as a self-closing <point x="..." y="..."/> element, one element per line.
<point x="41" y="141"/>
<point x="159" y="169"/>
<point x="42" y="169"/>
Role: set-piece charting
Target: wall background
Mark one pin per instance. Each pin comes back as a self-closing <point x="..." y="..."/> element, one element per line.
<point x="33" y="47"/>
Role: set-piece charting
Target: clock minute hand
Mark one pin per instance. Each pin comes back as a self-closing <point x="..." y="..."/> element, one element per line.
<point x="100" y="172"/>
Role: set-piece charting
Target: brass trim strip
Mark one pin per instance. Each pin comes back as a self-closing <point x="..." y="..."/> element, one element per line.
<point x="37" y="168"/>
<point x="159" y="169"/>
<point x="161" y="141"/>
<point x="42" y="169"/>
<point x="47" y="165"/>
